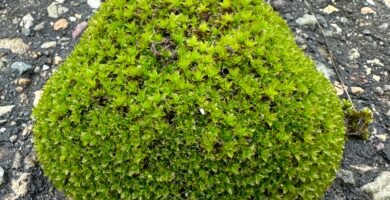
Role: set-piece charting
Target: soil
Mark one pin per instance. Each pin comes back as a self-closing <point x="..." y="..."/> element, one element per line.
<point x="359" y="43"/>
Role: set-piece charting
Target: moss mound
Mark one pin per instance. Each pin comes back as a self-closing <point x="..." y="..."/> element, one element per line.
<point x="185" y="99"/>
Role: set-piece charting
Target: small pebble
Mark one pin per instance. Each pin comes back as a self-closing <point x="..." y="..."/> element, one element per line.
<point x="5" y="109"/>
<point x="57" y="60"/>
<point x="79" y="29"/>
<point x="38" y="95"/>
<point x="26" y="23"/>
<point x="21" y="67"/>
<point x="29" y="162"/>
<point x="56" y="10"/>
<point x="16" y="164"/>
<point x="1" y="176"/>
<point x="45" y="67"/>
<point x="306" y="20"/>
<point x="39" y="26"/>
<point x="354" y="54"/>
<point x="366" y="32"/>
<point x="19" y="89"/>
<point x="376" y="78"/>
<point x="94" y="3"/>
<point x="367" y="10"/>
<point x="379" y="146"/>
<point x="330" y="9"/>
<point x="357" y="90"/>
<point x="386" y="88"/>
<point x="60" y="24"/>
<point x="379" y="90"/>
<point x="381" y="137"/>
<point x="23" y="82"/>
<point x="50" y="44"/>
<point x="13" y="138"/>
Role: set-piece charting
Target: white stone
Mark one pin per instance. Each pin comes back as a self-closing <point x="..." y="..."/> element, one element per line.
<point x="362" y="168"/>
<point x="39" y="26"/>
<point x="375" y="61"/>
<point x="72" y="19"/>
<point x="202" y="111"/>
<point x="19" y="186"/>
<point x="50" y="44"/>
<point x="1" y="176"/>
<point x="381" y="137"/>
<point x="45" y="67"/>
<point x="354" y="54"/>
<point x="380" y="187"/>
<point x="55" y="10"/>
<point x="38" y="95"/>
<point x="57" y="60"/>
<point x="16" y="45"/>
<point x="27" y="131"/>
<point x="306" y="20"/>
<point x="5" y="109"/>
<point x="357" y="90"/>
<point x="371" y="2"/>
<point x="339" y="88"/>
<point x="61" y="1"/>
<point x="328" y="72"/>
<point x="368" y="70"/>
<point x="376" y="78"/>
<point x="94" y="3"/>
<point x="338" y="29"/>
<point x="13" y="138"/>
<point x="26" y="23"/>
<point x="387" y="2"/>
<point x="330" y="9"/>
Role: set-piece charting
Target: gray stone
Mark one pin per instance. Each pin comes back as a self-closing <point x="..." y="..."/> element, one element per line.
<point x="1" y="176"/>
<point x="21" y="67"/>
<point x="39" y="26"/>
<point x="56" y="10"/>
<point x="380" y="187"/>
<point x="386" y="88"/>
<point x="17" y="163"/>
<point x="13" y="138"/>
<point x="379" y="90"/>
<point x="306" y="20"/>
<point x="366" y="32"/>
<point x="328" y="72"/>
<point x="5" y="109"/>
<point x="29" y="162"/>
<point x="26" y="23"/>
<point x="2" y="65"/>
<point x="386" y="151"/>
<point x="346" y="176"/>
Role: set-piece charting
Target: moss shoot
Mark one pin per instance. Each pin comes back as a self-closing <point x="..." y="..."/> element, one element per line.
<point x="189" y="99"/>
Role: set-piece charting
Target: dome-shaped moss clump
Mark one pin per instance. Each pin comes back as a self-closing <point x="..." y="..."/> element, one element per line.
<point x="189" y="99"/>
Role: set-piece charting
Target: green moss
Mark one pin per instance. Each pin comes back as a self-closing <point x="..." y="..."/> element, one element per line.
<point x="185" y="99"/>
<point x="357" y="122"/>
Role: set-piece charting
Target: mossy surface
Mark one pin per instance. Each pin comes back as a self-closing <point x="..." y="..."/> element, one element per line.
<point x="185" y="99"/>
